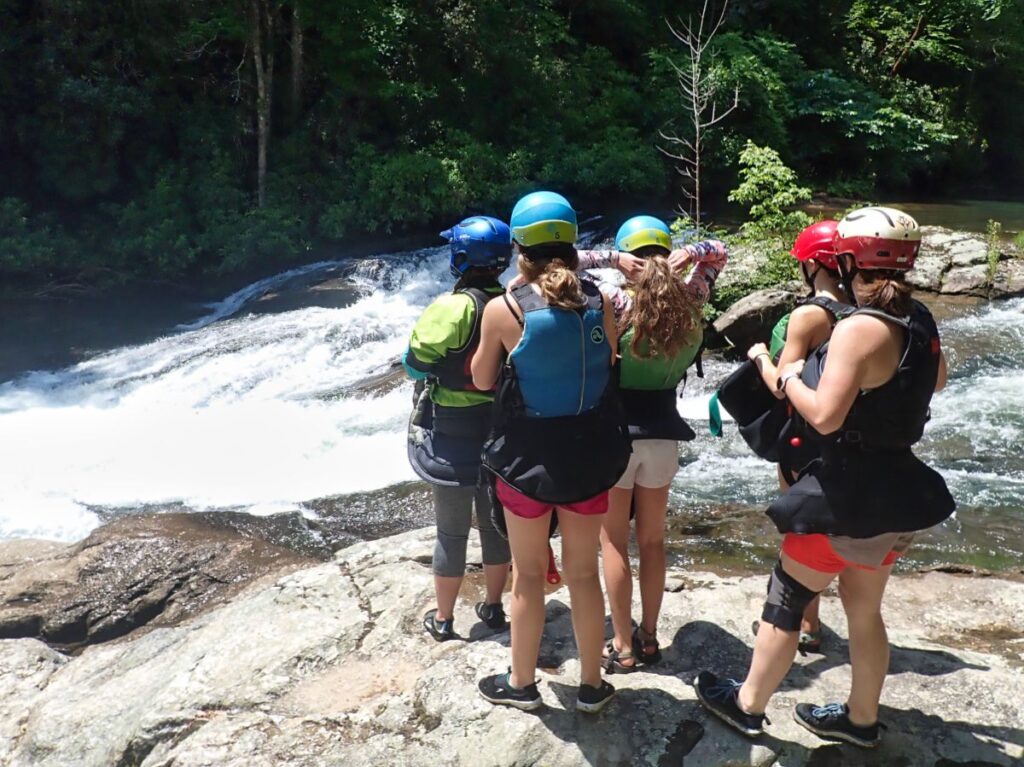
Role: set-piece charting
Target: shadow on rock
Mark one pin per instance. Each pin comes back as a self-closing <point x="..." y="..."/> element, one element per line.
<point x="638" y="727"/>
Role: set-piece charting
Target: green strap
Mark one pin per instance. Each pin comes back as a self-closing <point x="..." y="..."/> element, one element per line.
<point x="714" y="416"/>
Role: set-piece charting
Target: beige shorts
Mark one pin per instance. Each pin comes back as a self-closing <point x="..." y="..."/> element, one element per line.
<point x="654" y="463"/>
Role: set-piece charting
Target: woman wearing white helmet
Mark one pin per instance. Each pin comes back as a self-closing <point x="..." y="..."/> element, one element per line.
<point x="864" y="397"/>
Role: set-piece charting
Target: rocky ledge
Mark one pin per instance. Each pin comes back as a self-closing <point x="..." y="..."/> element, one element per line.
<point x="327" y="665"/>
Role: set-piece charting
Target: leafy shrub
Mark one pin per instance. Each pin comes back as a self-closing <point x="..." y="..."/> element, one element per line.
<point x="770" y="189"/>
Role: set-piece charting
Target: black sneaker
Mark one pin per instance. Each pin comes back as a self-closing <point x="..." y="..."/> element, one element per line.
<point x="498" y="689"/>
<point x="442" y="631"/>
<point x="593" y="699"/>
<point x="833" y="722"/>
<point x="493" y="616"/>
<point x="720" y="697"/>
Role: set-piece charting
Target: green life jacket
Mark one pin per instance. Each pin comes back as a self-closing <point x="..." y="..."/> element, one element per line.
<point x="648" y="389"/>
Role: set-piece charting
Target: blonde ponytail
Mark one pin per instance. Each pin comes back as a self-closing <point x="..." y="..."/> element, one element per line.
<point x="552" y="268"/>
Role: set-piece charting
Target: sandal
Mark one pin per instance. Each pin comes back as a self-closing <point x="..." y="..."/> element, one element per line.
<point x="648" y="651"/>
<point x="442" y="631"/>
<point x="611" y="660"/>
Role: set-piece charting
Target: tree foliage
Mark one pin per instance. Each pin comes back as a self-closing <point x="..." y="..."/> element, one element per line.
<point x="130" y="132"/>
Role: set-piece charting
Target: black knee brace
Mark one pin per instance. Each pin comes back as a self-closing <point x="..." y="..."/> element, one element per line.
<point x="787" y="599"/>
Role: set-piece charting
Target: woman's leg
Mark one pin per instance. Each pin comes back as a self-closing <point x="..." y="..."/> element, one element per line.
<point x="618" y="578"/>
<point x="861" y="592"/>
<point x="580" y="537"/>
<point x="453" y="509"/>
<point x="812" y="621"/>
<point x="496" y="554"/>
<point x="774" y="649"/>
<point x="528" y="538"/>
<point x="651" y="505"/>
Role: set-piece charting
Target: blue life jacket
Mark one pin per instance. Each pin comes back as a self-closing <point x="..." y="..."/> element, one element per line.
<point x="559" y="434"/>
<point x="562" y="361"/>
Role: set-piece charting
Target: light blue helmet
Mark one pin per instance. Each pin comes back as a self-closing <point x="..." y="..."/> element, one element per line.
<point x="641" y="231"/>
<point x="479" y="241"/>
<point x="541" y="218"/>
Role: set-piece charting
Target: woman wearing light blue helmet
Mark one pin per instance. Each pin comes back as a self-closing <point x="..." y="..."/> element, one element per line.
<point x="557" y="445"/>
<point x="660" y="335"/>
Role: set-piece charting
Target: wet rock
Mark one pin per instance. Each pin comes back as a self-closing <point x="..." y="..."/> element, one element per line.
<point x="966" y="280"/>
<point x="751" y="319"/>
<point x="143" y="570"/>
<point x="1009" y="278"/>
<point x="927" y="273"/>
<point x="328" y="665"/>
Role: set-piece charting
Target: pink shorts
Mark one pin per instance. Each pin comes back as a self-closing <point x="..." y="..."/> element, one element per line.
<point x="528" y="508"/>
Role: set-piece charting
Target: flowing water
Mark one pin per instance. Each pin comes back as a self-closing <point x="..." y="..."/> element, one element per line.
<point x="295" y="408"/>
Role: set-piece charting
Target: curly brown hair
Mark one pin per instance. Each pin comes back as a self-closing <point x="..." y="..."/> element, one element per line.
<point x="662" y="315"/>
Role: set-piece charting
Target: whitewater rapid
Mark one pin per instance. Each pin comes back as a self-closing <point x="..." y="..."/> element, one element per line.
<point x="257" y="412"/>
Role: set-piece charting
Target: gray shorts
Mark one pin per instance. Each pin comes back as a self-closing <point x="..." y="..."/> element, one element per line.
<point x="871" y="552"/>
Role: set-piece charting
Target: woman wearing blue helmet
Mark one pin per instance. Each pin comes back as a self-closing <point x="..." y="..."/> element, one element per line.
<point x="558" y="443"/>
<point x="452" y="418"/>
<point x="661" y="332"/>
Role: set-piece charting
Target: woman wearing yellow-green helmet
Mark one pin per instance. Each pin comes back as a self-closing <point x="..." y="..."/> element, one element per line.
<point x="661" y="331"/>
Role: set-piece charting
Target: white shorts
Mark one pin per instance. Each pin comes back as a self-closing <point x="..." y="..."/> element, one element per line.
<point x="654" y="463"/>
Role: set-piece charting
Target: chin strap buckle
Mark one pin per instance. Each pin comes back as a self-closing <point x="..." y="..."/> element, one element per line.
<point x="852" y="437"/>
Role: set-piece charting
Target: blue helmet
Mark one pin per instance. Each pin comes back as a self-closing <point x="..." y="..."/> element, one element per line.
<point x="543" y="217"/>
<point x="479" y="241"/>
<point x="641" y="231"/>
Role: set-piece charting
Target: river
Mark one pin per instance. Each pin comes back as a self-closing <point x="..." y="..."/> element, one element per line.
<point x="259" y="405"/>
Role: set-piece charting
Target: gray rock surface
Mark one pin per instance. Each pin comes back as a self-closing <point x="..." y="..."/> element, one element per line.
<point x="136" y="571"/>
<point x="328" y="666"/>
<point x="746" y="321"/>
<point x="966" y="280"/>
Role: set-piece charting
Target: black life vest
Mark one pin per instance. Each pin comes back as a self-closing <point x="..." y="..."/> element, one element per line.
<point x="560" y="459"/>
<point x="867" y="480"/>
<point x="453" y="371"/>
<point x="892" y="416"/>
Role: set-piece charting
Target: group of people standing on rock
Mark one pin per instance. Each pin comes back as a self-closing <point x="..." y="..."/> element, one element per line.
<point x="551" y="402"/>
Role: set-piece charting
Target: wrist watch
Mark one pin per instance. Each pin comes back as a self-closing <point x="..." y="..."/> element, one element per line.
<point x="781" y="383"/>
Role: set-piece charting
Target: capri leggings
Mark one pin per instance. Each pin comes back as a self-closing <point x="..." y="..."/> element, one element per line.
<point x="453" y="507"/>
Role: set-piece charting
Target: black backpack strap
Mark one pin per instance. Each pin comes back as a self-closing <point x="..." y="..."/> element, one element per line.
<point x="837" y="309"/>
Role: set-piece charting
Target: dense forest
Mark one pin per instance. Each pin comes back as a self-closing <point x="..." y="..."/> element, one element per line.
<point x="173" y="139"/>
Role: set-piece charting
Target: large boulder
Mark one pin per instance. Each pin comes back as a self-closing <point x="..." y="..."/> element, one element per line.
<point x="142" y="570"/>
<point x="329" y="666"/>
<point x="751" y="319"/>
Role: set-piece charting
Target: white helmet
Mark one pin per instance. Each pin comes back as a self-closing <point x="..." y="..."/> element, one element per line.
<point x="879" y="238"/>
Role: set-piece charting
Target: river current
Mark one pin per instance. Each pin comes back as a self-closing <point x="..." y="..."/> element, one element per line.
<point x="257" y="412"/>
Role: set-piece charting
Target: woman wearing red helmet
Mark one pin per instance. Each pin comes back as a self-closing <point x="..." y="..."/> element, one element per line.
<point x="864" y="397"/>
<point x="806" y="328"/>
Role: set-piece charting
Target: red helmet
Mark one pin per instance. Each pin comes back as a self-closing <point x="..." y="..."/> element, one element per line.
<point x="815" y="242"/>
<point x="879" y="238"/>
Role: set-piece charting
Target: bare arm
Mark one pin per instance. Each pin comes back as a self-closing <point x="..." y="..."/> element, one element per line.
<point x="486" y="362"/>
<point x="940" y="382"/>
<point x="805" y="325"/>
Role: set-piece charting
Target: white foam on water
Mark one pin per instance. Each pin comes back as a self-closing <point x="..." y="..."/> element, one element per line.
<point x="258" y="413"/>
<point x="249" y="413"/>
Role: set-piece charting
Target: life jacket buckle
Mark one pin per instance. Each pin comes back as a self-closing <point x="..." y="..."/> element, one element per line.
<point x="853" y="437"/>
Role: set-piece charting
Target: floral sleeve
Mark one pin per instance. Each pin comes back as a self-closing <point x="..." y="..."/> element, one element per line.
<point x="709" y="258"/>
<point x="604" y="259"/>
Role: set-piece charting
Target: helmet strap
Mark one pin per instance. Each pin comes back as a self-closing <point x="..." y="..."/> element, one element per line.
<point x="847" y="275"/>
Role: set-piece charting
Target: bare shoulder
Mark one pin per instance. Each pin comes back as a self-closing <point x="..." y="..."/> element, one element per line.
<point x="862" y="330"/>
<point x="811" y="317"/>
